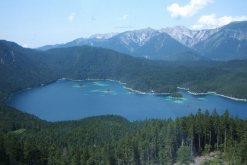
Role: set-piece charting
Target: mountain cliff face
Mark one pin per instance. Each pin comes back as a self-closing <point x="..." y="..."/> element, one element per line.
<point x="225" y="43"/>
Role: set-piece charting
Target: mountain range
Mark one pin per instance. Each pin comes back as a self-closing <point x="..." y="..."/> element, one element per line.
<point x="178" y="43"/>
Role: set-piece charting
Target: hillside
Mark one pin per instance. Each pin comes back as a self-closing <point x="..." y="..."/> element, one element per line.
<point x="21" y="68"/>
<point x="228" y="78"/>
<point x="111" y="140"/>
<point x="87" y="62"/>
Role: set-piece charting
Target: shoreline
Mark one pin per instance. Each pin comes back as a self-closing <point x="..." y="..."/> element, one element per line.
<point x="212" y="93"/>
<point x="92" y="79"/>
<point x="163" y="93"/>
<point x="152" y="92"/>
<point x="9" y="95"/>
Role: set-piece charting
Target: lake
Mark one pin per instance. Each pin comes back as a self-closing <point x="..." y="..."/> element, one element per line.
<point x="70" y="100"/>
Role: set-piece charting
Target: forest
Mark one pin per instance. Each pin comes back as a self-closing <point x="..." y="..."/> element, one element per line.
<point x="31" y="67"/>
<point x="110" y="139"/>
<point x="26" y="139"/>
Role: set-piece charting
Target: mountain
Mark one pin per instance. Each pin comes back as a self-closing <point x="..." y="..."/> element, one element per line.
<point x="187" y="36"/>
<point x="228" y="43"/>
<point x="92" y="40"/>
<point x="147" y="43"/>
<point x="173" y="43"/>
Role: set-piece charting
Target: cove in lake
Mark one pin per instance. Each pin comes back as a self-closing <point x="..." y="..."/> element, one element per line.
<point x="70" y="100"/>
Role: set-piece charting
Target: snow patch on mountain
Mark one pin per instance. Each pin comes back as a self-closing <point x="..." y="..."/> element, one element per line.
<point x="187" y="36"/>
<point x="237" y="34"/>
<point x="103" y="36"/>
<point x="139" y="37"/>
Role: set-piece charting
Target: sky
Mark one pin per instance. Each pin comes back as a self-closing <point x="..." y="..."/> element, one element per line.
<point x="34" y="23"/>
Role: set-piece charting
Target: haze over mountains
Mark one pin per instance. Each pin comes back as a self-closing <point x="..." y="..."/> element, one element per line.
<point x="178" y="43"/>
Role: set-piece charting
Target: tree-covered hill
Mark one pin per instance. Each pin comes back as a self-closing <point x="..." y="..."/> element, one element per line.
<point x="228" y="78"/>
<point x="114" y="140"/>
<point x="32" y="67"/>
<point x="20" y="68"/>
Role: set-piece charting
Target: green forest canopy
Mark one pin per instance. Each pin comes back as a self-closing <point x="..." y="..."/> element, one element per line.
<point x="25" y="139"/>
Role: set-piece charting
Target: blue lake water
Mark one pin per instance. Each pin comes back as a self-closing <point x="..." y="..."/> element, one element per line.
<point x="69" y="100"/>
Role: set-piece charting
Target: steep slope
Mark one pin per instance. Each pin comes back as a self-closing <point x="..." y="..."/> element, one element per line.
<point x="230" y="42"/>
<point x="20" y="68"/>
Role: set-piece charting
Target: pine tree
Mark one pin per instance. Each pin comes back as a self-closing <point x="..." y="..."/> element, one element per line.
<point x="184" y="156"/>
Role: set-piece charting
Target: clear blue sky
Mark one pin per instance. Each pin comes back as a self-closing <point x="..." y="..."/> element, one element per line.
<point x="35" y="23"/>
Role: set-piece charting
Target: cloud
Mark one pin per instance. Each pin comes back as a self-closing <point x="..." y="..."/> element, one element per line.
<point x="72" y="16"/>
<point x="211" y="21"/>
<point x="189" y="9"/>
